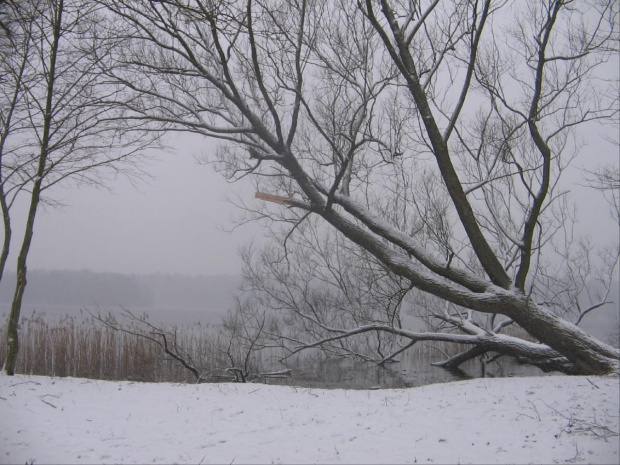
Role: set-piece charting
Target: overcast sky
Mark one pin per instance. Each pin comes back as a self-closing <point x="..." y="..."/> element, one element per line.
<point x="172" y="223"/>
<point x="176" y="221"/>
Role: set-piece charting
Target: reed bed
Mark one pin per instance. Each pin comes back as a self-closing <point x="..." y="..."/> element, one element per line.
<point x="86" y="348"/>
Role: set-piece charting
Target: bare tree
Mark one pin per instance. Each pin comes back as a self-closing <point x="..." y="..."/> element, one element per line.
<point x="320" y="285"/>
<point x="13" y="66"/>
<point x="232" y="353"/>
<point x="607" y="180"/>
<point x="4" y="27"/>
<point x="333" y="296"/>
<point x="433" y="135"/>
<point x="61" y="122"/>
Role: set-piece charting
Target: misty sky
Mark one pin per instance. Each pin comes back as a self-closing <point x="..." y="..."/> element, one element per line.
<point x="174" y="222"/>
<point x="171" y="223"/>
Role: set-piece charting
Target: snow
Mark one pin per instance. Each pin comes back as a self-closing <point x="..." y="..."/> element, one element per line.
<point x="551" y="419"/>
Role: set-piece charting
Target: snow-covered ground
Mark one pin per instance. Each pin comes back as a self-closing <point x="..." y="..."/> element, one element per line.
<point x="508" y="420"/>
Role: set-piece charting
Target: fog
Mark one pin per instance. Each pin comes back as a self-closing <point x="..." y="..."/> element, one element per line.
<point x="179" y="221"/>
<point x="176" y="220"/>
<point x="167" y="298"/>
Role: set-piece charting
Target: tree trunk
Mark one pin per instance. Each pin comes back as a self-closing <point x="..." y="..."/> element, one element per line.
<point x="589" y="355"/>
<point x="6" y="220"/>
<point x="20" y="286"/>
<point x="11" y="332"/>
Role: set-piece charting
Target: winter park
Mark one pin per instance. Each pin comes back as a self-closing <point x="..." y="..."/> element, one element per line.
<point x="307" y="231"/>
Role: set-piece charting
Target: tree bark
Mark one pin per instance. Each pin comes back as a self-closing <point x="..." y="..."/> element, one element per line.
<point x="589" y="355"/>
<point x="6" y="221"/>
<point x="20" y="286"/>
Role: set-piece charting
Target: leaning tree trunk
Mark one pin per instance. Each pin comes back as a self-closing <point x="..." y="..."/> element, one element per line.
<point x="588" y="355"/>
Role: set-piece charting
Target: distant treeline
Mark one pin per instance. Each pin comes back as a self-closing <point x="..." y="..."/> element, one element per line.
<point x="88" y="288"/>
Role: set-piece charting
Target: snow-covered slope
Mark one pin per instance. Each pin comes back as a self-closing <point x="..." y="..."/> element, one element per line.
<point x="509" y="420"/>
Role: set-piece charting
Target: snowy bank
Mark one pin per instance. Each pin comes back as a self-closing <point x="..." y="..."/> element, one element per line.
<point x="502" y="420"/>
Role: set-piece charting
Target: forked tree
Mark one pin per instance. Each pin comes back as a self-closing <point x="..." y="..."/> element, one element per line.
<point x="433" y="135"/>
<point x="59" y="120"/>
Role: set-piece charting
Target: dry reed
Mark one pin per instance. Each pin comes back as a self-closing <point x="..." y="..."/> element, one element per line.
<point x="85" y="348"/>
